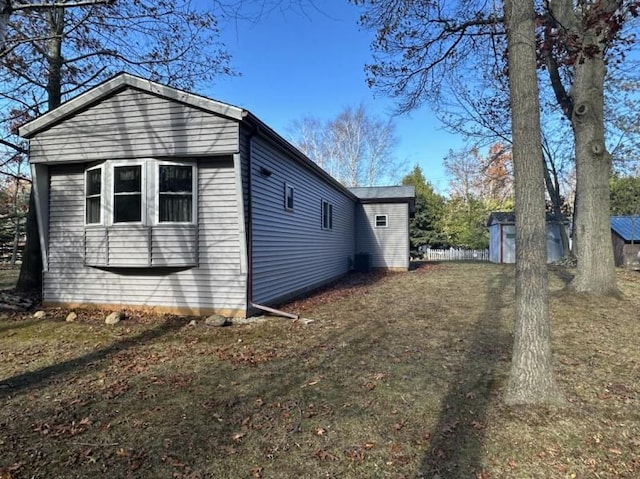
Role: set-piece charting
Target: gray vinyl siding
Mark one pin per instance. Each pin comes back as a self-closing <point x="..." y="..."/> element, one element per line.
<point x="388" y="247"/>
<point x="215" y="284"/>
<point x="133" y="123"/>
<point x="291" y="251"/>
<point x="141" y="246"/>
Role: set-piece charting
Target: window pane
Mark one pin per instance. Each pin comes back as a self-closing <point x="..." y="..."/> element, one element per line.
<point x="330" y="217"/>
<point x="93" y="210"/>
<point x="288" y="197"/>
<point x="175" y="179"/>
<point x="175" y="208"/>
<point x="325" y="215"/>
<point x="381" y="221"/>
<point x="127" y="179"/>
<point x="94" y="182"/>
<point x="127" y="208"/>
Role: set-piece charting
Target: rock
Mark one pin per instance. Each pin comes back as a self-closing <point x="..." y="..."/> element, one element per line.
<point x="192" y="322"/>
<point x="39" y="314"/>
<point x="71" y="317"/>
<point x="115" y="317"/>
<point x="216" y="320"/>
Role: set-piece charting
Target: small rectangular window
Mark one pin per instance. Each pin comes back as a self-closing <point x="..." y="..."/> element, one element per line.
<point x="327" y="215"/>
<point x="127" y="194"/>
<point x="175" y="194"/>
<point x="288" y="197"/>
<point x="93" y="196"/>
<point x="381" y="221"/>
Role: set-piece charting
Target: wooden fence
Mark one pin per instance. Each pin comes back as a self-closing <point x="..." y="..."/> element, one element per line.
<point x="455" y="254"/>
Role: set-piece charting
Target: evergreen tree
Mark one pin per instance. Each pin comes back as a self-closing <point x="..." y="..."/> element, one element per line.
<point x="425" y="227"/>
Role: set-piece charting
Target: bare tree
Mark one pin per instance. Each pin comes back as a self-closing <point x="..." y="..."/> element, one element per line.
<point x="488" y="177"/>
<point x="355" y="147"/>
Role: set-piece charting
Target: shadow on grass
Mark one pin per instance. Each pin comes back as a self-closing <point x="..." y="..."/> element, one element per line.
<point x="456" y="447"/>
<point x="17" y="384"/>
<point x="562" y="273"/>
<point x="8" y="326"/>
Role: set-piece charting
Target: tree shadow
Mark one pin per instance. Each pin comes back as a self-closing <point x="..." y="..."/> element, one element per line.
<point x="456" y="445"/>
<point x="25" y="381"/>
<point x="564" y="274"/>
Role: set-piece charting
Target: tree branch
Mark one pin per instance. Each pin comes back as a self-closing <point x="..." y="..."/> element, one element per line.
<point x="564" y="99"/>
<point x="19" y="149"/>
<point x="46" y="6"/>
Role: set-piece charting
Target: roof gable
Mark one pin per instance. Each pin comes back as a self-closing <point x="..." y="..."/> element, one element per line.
<point x="627" y="227"/>
<point x="121" y="82"/>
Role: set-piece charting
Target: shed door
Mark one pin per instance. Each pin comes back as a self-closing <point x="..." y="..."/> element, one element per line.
<point x="508" y="243"/>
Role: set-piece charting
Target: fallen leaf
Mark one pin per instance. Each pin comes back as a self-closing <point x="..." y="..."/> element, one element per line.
<point x="397" y="426"/>
<point x="324" y="455"/>
<point x="122" y="453"/>
<point x="256" y="472"/>
<point x="477" y="425"/>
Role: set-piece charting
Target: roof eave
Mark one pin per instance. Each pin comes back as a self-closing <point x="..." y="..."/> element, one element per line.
<point x="269" y="132"/>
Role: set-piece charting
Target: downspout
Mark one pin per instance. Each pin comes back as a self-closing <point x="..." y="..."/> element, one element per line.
<point x="254" y="132"/>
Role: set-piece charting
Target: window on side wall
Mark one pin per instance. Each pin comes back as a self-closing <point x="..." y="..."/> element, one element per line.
<point x="127" y="194"/>
<point x="381" y="221"/>
<point x="175" y="193"/>
<point x="288" y="197"/>
<point x="93" y="196"/>
<point x="327" y="215"/>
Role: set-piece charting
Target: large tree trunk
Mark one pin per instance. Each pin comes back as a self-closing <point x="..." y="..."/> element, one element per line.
<point x="30" y="278"/>
<point x="593" y="249"/>
<point x="531" y="379"/>
<point x="588" y="29"/>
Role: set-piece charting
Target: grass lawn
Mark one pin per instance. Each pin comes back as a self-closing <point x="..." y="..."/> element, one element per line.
<point x="399" y="376"/>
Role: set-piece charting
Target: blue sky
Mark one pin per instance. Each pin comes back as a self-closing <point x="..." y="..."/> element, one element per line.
<point x="304" y="62"/>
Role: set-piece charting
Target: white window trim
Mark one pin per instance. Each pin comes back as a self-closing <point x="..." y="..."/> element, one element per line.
<point x="156" y="191"/>
<point x="102" y="187"/>
<point x="329" y="227"/>
<point x="287" y="186"/>
<point x="143" y="188"/>
<point x="150" y="192"/>
<point x="386" y="221"/>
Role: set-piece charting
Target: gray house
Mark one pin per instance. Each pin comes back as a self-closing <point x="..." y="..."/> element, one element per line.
<point x="150" y="197"/>
<point x="502" y="238"/>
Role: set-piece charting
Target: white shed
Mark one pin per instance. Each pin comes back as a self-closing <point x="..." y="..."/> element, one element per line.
<point x="502" y="238"/>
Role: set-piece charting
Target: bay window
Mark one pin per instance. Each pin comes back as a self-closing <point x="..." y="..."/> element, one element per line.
<point x="151" y="192"/>
<point x="141" y="214"/>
